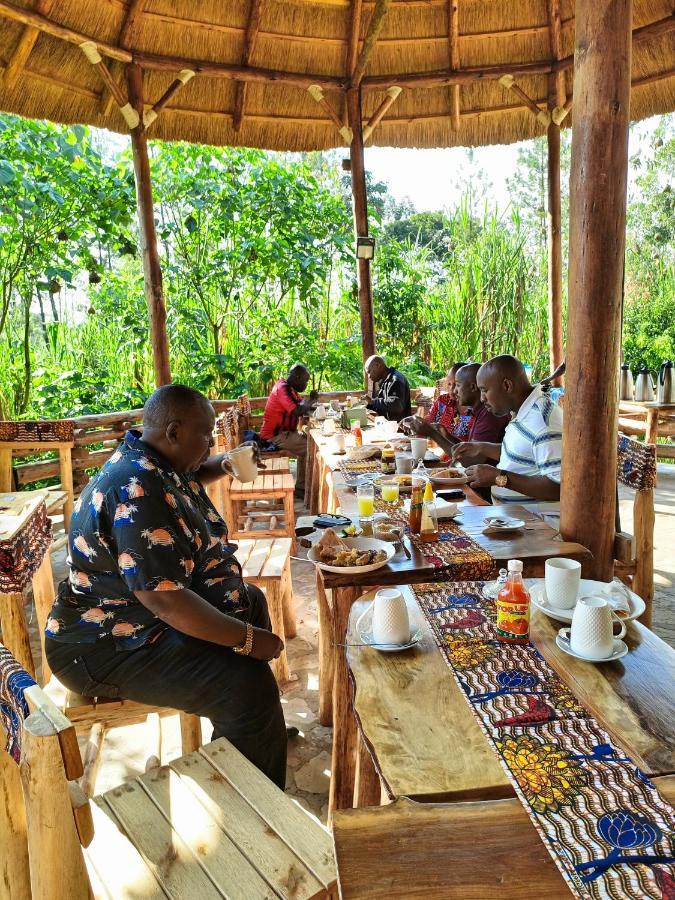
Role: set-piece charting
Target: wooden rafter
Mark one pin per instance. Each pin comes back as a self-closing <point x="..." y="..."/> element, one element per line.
<point x="374" y="28"/>
<point x="151" y="112"/>
<point x="316" y="93"/>
<point x="91" y="52"/>
<point x="453" y="42"/>
<point x="354" y="37"/>
<point x="542" y="115"/>
<point x="250" y="39"/>
<point x="24" y="47"/>
<point x="126" y="36"/>
<point x="555" y="40"/>
<point x="379" y="114"/>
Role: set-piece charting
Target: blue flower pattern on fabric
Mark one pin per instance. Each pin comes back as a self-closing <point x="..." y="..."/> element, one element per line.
<point x="624" y="830"/>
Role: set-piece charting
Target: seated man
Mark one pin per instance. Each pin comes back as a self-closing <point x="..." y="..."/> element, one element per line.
<point x="445" y="409"/>
<point x="482" y="424"/>
<point x="393" y="396"/>
<point x="155" y="608"/>
<point x="283" y="410"/>
<point x="529" y="458"/>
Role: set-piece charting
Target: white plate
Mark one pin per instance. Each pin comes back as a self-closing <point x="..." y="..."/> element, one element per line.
<point x="586" y="588"/>
<point x="446" y="482"/>
<point x="510" y="525"/>
<point x="620" y="649"/>
<point x="360" y="543"/>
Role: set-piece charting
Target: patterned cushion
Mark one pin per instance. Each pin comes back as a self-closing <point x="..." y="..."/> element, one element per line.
<point x="636" y="464"/>
<point x="13" y="707"/>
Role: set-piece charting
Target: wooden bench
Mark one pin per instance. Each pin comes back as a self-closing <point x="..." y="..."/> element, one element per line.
<point x="246" y="504"/>
<point x="209" y="825"/>
<point x="266" y="563"/>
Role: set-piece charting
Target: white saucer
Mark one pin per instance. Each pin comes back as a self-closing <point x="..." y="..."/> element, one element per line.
<point x="366" y="636"/>
<point x="509" y="525"/>
<point x="620" y="649"/>
<point x="586" y="588"/>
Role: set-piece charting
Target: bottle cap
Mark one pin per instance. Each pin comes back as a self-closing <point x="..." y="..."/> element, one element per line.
<point x="515" y="565"/>
<point x="428" y="492"/>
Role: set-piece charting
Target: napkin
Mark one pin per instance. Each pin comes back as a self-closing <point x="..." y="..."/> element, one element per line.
<point x="617" y="595"/>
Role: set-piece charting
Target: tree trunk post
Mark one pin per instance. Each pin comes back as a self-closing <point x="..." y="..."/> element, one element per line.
<point x="358" y="173"/>
<point x="152" y="271"/>
<point x="602" y="68"/>
<point x="554" y="235"/>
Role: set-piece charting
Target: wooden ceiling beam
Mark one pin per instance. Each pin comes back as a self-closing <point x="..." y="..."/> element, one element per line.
<point x="354" y="37"/>
<point x="555" y="41"/>
<point x="126" y="36"/>
<point x="250" y="39"/>
<point x="379" y="114"/>
<point x="374" y="28"/>
<point x="543" y="115"/>
<point x="453" y="48"/>
<point x="23" y="49"/>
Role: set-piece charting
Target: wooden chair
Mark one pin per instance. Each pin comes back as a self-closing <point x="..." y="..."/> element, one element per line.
<point x="634" y="554"/>
<point x="210" y="825"/>
<point x="266" y="563"/>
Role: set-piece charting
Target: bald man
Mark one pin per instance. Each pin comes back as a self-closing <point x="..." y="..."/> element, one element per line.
<point x="529" y="458"/>
<point x="393" y="396"/>
<point x="282" y="413"/>
<point x="155" y="608"/>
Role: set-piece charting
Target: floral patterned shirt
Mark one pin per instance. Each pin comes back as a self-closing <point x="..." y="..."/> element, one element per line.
<point x="141" y="526"/>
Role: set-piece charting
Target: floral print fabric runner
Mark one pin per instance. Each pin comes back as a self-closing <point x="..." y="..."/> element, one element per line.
<point x="456" y="555"/>
<point x="603" y="822"/>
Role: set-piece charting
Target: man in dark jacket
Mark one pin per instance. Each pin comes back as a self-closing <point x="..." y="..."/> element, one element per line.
<point x="393" y="397"/>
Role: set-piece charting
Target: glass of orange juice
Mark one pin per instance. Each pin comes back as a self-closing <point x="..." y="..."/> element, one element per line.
<point x="365" y="495"/>
<point x="390" y="489"/>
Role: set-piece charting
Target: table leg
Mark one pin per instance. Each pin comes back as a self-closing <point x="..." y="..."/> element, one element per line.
<point x="367" y="791"/>
<point x="326" y="653"/>
<point x="344" y="726"/>
<point x="652" y="429"/>
<point x="316" y="484"/>
<point x="309" y="468"/>
<point x="15" y="630"/>
<point x="288" y="601"/>
<point x="43" y="598"/>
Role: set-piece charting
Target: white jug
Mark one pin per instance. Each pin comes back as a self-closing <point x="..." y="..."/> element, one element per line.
<point x="391" y="624"/>
<point x="320" y="412"/>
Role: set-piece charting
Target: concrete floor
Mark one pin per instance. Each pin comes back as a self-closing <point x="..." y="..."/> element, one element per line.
<point x="309" y="753"/>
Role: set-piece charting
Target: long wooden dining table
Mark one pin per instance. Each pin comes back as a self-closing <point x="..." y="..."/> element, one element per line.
<point x="328" y="491"/>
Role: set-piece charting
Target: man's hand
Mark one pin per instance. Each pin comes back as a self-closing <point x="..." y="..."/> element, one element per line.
<point x="462" y="450"/>
<point x="266" y="645"/>
<point x="367" y="398"/>
<point x="416" y="425"/>
<point x="313" y="396"/>
<point x="482" y="476"/>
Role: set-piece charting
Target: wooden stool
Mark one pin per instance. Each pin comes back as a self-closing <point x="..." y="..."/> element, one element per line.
<point x="266" y="563"/>
<point x="64" y="448"/>
<point x="242" y="507"/>
<point x="208" y="826"/>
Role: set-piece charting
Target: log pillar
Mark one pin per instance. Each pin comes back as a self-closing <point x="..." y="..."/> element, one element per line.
<point x="152" y="271"/>
<point x="602" y="70"/>
<point x="554" y="234"/>
<point x="359" y="195"/>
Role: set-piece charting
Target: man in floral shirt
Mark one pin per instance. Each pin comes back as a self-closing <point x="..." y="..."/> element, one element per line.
<point x="155" y="608"/>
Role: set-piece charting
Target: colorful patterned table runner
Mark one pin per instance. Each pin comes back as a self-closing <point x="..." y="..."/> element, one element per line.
<point x="603" y="822"/>
<point x="351" y="469"/>
<point x="456" y="555"/>
<point x="21" y="555"/>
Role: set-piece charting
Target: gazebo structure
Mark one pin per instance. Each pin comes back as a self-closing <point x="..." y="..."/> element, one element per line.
<point x="313" y="74"/>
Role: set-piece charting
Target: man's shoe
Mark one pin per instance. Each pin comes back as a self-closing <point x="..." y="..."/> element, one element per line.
<point x="292" y="731"/>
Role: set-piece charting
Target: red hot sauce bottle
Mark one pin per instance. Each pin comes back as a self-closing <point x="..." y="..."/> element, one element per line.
<point x="513" y="607"/>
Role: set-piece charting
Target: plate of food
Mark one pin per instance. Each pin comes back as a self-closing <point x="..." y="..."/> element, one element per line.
<point x="448" y="476"/>
<point x="350" y="555"/>
<point x="404" y="482"/>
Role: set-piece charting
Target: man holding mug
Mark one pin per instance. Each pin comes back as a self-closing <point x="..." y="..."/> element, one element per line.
<point x="155" y="608"/>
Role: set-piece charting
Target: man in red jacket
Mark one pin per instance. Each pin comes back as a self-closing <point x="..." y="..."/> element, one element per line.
<point x="283" y="410"/>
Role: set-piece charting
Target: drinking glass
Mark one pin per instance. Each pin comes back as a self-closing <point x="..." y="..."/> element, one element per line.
<point x="365" y="495"/>
<point x="390" y="489"/>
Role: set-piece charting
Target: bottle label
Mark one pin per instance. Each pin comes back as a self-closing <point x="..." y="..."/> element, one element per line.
<point x="513" y="621"/>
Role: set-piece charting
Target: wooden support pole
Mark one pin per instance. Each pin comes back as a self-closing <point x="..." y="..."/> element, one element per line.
<point x="453" y="40"/>
<point x="250" y="40"/>
<point x="381" y="111"/>
<point x="127" y="33"/>
<point x="555" y="41"/>
<point x="153" y="111"/>
<point x="374" y="28"/>
<point x="542" y="115"/>
<point x="360" y="199"/>
<point x="597" y="242"/>
<point x="152" y="271"/>
<point x="24" y="47"/>
<point x="554" y="236"/>
<point x="316" y="94"/>
<point x="131" y="115"/>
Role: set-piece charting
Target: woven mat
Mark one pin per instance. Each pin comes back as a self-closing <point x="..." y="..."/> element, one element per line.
<point x="606" y="826"/>
<point x="20" y="556"/>
<point x="13" y="707"/>
<point x="456" y="556"/>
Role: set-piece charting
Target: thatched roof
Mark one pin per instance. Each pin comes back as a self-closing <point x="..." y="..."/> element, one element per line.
<point x="302" y="41"/>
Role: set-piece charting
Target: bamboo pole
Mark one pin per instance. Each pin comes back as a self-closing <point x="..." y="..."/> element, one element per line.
<point x="361" y="221"/>
<point x="453" y="41"/>
<point x="601" y="116"/>
<point x="554" y="238"/>
<point x="152" y="271"/>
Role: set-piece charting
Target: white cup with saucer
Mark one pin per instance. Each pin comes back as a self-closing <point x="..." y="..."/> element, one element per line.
<point x="562" y="577"/>
<point x="591" y="635"/>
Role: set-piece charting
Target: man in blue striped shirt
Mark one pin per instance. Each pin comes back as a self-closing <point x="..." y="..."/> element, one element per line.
<point x="529" y="458"/>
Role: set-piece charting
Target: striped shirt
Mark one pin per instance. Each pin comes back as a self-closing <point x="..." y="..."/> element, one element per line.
<point x="532" y="445"/>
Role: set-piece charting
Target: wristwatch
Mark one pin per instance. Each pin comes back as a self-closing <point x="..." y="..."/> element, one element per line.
<point x="247" y="646"/>
<point x="502" y="478"/>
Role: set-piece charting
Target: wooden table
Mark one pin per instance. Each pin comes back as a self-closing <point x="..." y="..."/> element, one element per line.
<point x="425" y="741"/>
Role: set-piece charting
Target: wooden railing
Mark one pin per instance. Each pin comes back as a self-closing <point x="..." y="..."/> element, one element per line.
<point x="96" y="436"/>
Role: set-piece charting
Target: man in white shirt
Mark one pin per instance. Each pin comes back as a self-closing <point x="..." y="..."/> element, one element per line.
<point x="529" y="458"/>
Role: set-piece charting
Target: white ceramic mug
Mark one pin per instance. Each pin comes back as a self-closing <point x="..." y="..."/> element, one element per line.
<point x="418" y="447"/>
<point x="329" y="426"/>
<point x="244" y="465"/>
<point x="391" y="623"/>
<point x="404" y="463"/>
<point x="320" y="412"/>
<point x="592" y="632"/>
<point x="562" y="582"/>
<point x="339" y="443"/>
